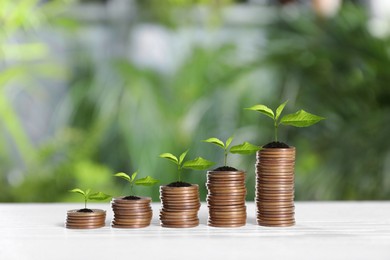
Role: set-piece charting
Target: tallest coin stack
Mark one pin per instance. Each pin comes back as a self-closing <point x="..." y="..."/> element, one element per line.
<point x="275" y="187"/>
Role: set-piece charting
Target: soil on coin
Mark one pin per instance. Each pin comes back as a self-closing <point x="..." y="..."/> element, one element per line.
<point x="225" y="169"/>
<point x="179" y="184"/>
<point x="276" y="145"/>
<point x="85" y="210"/>
<point x="131" y="197"/>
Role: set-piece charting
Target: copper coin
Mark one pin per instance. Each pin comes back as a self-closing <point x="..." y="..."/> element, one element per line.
<point x="227" y="208"/>
<point x="86" y="217"/>
<point x="120" y="221"/>
<point x="130" y="226"/>
<point x="95" y="212"/>
<point x="227" y="184"/>
<point x="191" y="225"/>
<point x="179" y="213"/>
<point x="227" y="221"/>
<point x="226" y="175"/>
<point x="276" y="218"/>
<point x="227" y="192"/>
<point x="84" y="226"/>
<point x="212" y="203"/>
<point x="275" y="222"/>
<point x="226" y="224"/>
<point x="141" y="200"/>
<point x="132" y="213"/>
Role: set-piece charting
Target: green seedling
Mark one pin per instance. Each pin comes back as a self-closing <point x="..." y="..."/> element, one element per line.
<point x="197" y="164"/>
<point x="147" y="181"/>
<point x="300" y="118"/>
<point x="244" y="148"/>
<point x="98" y="196"/>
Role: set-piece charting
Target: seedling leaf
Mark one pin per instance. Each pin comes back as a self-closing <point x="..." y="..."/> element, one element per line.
<point x="170" y="157"/>
<point x="198" y="164"/>
<point x="147" y="181"/>
<point x="133" y="176"/>
<point x="216" y="141"/>
<point x="264" y="110"/>
<point x="300" y="119"/>
<point x="279" y="110"/>
<point x="245" y="148"/>
<point x="99" y="196"/>
<point x="123" y="176"/>
<point x="182" y="156"/>
<point x="78" y="191"/>
<point x="229" y="141"/>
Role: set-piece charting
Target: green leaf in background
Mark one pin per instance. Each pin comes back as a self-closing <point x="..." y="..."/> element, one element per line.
<point x="182" y="156"/>
<point x="300" y="119"/>
<point x="78" y="191"/>
<point x="215" y="141"/>
<point x="245" y="148"/>
<point x="279" y="110"/>
<point x="198" y="164"/>
<point x="170" y="157"/>
<point x="264" y="110"/>
<point x="99" y="196"/>
<point x="123" y="176"/>
<point x="147" y="181"/>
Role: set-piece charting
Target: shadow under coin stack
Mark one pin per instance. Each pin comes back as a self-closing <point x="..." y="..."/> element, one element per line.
<point x="226" y="198"/>
<point x="275" y="187"/>
<point x="180" y="206"/>
<point x="133" y="213"/>
<point x="85" y="220"/>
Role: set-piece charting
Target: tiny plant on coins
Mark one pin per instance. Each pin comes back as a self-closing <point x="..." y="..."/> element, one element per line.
<point x="146" y="181"/>
<point x="300" y="118"/>
<point x="244" y="148"/>
<point x="197" y="164"/>
<point x="98" y="196"/>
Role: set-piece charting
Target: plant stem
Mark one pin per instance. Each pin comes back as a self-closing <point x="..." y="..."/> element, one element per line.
<point x="131" y="189"/>
<point x="226" y="154"/>
<point x="179" y="172"/>
<point x="276" y="132"/>
<point x="85" y="202"/>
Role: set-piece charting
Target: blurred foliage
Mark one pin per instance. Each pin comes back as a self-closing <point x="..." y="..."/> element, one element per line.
<point x="338" y="68"/>
<point x="118" y="116"/>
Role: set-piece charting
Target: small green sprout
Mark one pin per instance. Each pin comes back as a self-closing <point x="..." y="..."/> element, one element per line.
<point x="147" y="181"/>
<point x="197" y="164"/>
<point x="244" y="148"/>
<point x="98" y="196"/>
<point x="300" y="118"/>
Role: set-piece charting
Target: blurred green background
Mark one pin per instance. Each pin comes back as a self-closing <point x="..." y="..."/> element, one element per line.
<point x="91" y="88"/>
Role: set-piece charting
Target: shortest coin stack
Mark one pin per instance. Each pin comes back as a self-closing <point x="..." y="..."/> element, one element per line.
<point x="180" y="206"/>
<point x="85" y="220"/>
<point x="226" y="198"/>
<point x="134" y="213"/>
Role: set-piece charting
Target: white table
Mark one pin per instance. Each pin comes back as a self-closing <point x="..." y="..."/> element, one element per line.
<point x="324" y="230"/>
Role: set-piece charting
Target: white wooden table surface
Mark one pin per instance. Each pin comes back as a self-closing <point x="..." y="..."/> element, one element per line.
<point x="324" y="230"/>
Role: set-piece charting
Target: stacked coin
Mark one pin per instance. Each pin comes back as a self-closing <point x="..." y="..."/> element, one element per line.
<point x="275" y="187"/>
<point x="226" y="198"/>
<point x="131" y="213"/>
<point x="180" y="206"/>
<point x="85" y="220"/>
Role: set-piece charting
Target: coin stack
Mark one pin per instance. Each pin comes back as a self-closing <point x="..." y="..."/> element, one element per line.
<point x="275" y="187"/>
<point x="133" y="213"/>
<point x="226" y="198"/>
<point x="85" y="220"/>
<point x="180" y="206"/>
